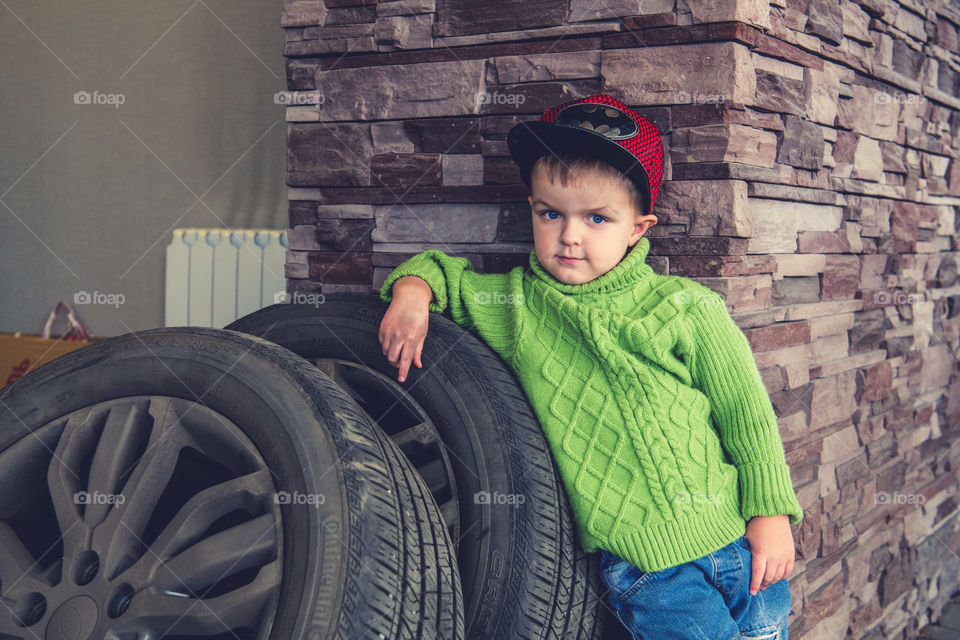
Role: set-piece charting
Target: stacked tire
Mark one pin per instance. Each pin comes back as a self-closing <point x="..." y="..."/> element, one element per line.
<point x="465" y="424"/>
<point x="191" y="483"/>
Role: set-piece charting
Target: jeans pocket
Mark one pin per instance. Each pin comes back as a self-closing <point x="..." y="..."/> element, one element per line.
<point x="623" y="579"/>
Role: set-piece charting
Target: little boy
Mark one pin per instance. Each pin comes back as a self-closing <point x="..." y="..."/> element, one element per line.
<point x="651" y="402"/>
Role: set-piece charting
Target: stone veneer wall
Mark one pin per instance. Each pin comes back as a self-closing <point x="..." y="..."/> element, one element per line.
<point x="813" y="178"/>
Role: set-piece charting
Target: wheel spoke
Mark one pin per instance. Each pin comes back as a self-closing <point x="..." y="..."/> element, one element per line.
<point x="246" y="545"/>
<point x="128" y="425"/>
<point x="78" y="440"/>
<point x="196" y="517"/>
<point x="164" y="614"/>
<point x="124" y="527"/>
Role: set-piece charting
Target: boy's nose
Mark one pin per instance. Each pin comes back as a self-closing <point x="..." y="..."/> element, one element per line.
<point x="570" y="234"/>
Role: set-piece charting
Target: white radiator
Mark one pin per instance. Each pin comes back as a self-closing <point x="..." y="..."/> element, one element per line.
<point x="215" y="276"/>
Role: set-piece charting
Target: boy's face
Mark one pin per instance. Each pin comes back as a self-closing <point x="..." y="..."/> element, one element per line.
<point x="592" y="219"/>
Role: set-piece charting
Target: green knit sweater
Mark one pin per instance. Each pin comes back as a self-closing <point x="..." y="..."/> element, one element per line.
<point x="647" y="391"/>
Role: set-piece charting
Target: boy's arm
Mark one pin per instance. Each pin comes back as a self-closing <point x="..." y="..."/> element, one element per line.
<point x="723" y="368"/>
<point x="442" y="273"/>
<point x="471" y="298"/>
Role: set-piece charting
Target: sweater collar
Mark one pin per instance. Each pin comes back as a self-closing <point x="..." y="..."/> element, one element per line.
<point x="631" y="269"/>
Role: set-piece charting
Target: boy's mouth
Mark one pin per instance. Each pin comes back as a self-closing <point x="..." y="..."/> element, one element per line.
<point x="566" y="260"/>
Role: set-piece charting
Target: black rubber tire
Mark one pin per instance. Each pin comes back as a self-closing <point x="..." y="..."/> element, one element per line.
<point x="374" y="560"/>
<point x="523" y="573"/>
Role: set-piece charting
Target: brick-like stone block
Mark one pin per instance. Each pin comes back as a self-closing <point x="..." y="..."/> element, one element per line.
<point x="779" y="335"/>
<point x="445" y="135"/>
<point x="351" y="267"/>
<point x="841" y="277"/>
<point x="462" y="17"/>
<point x="833" y="401"/>
<point x="405" y="32"/>
<point x="802" y="144"/>
<point x="436" y="223"/>
<point x="328" y="154"/>
<point x="405" y="170"/>
<point x="774" y="226"/>
<point x="516" y="224"/>
<point x="681" y="202"/>
<point x="755" y="12"/>
<point x="462" y="168"/>
<point x="724" y="143"/>
<point x="676" y="74"/>
<point x="402" y="91"/>
<point x="542" y="67"/>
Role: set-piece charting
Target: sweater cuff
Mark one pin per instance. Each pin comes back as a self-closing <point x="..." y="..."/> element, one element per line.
<point x="767" y="490"/>
<point x="427" y="271"/>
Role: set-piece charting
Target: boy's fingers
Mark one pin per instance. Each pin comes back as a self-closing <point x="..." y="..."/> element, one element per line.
<point x="758" y="565"/>
<point x="405" y="358"/>
<point x="418" y="355"/>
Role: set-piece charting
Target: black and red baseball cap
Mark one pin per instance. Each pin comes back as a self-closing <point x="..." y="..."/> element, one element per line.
<point x="598" y="126"/>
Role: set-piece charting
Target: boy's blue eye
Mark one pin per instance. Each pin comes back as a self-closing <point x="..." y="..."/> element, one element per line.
<point x="596" y="217"/>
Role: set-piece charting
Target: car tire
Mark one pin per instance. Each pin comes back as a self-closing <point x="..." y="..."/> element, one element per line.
<point x="194" y="483"/>
<point x="524" y="575"/>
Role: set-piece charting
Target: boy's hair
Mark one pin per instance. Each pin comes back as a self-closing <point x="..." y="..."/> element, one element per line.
<point x="560" y="167"/>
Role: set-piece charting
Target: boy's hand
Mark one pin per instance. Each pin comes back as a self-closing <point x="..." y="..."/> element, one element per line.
<point x="403" y="328"/>
<point x="771" y="550"/>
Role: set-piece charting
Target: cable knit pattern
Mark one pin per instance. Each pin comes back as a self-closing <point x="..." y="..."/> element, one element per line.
<point x="647" y="391"/>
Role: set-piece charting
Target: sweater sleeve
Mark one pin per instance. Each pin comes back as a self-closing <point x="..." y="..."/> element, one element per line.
<point x="479" y="302"/>
<point x="723" y="368"/>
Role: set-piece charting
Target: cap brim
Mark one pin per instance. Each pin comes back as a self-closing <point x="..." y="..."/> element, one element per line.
<point x="529" y="141"/>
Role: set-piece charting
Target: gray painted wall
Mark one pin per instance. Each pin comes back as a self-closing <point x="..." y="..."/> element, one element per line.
<point x="90" y="192"/>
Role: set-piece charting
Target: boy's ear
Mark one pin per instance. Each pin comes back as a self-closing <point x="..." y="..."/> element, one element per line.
<point x="643" y="223"/>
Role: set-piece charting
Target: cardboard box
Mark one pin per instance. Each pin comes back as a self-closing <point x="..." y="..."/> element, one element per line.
<point x="22" y="353"/>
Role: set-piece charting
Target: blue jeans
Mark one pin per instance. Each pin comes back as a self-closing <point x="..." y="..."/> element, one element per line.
<point x="704" y="599"/>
